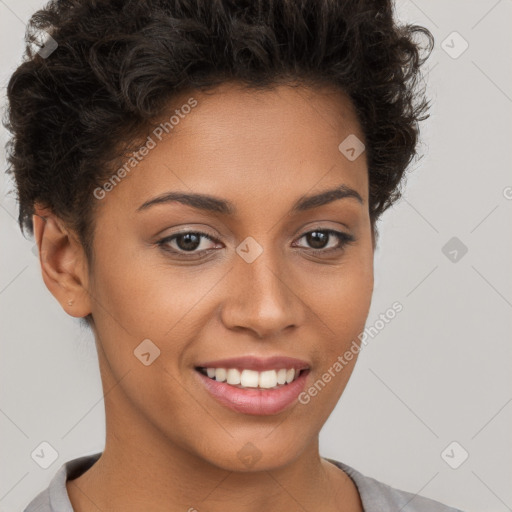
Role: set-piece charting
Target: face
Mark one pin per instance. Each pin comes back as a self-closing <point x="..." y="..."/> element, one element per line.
<point x="257" y="274"/>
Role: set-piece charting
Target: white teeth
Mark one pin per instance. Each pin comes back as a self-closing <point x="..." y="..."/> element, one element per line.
<point x="281" y="376"/>
<point x="249" y="379"/>
<point x="220" y="374"/>
<point x="268" y="379"/>
<point x="252" y="379"/>
<point x="233" y="376"/>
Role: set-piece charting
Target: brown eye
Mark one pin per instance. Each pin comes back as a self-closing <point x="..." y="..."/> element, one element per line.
<point x="187" y="242"/>
<point x="318" y="240"/>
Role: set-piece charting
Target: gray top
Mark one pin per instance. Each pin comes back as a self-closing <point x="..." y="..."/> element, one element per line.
<point x="375" y="496"/>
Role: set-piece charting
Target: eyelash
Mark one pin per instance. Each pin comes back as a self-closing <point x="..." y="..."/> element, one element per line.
<point x="344" y="239"/>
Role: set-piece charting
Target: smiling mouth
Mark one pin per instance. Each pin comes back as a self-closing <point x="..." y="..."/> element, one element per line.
<point x="252" y="379"/>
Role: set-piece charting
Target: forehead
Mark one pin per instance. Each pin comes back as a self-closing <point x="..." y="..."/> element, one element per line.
<point x="249" y="145"/>
<point x="281" y="117"/>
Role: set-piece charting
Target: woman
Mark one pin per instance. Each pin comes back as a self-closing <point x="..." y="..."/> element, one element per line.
<point x="203" y="180"/>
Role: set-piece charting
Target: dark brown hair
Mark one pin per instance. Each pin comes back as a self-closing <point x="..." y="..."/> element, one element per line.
<point x="119" y="63"/>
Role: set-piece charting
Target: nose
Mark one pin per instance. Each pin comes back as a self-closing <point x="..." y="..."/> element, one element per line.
<point x="262" y="297"/>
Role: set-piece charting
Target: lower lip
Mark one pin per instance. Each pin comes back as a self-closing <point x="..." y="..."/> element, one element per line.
<point x="255" y="401"/>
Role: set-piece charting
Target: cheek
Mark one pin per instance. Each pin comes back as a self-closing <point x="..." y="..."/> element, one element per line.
<point x="340" y="307"/>
<point x="141" y="296"/>
<point x="341" y="296"/>
<point x="124" y="292"/>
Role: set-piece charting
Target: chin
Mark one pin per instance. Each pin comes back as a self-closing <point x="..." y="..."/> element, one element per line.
<point x="265" y="451"/>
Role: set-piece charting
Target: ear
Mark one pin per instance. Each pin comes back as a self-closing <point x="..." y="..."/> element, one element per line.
<point x="63" y="262"/>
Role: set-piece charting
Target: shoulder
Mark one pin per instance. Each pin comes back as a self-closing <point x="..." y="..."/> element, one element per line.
<point x="378" y="496"/>
<point x="41" y="503"/>
<point x="55" y="497"/>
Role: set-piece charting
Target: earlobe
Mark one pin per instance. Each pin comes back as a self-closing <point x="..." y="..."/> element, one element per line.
<point x="62" y="262"/>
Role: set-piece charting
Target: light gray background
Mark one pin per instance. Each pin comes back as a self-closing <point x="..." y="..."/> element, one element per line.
<point x="439" y="372"/>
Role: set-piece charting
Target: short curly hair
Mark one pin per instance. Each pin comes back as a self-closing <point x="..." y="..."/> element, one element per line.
<point x="119" y="63"/>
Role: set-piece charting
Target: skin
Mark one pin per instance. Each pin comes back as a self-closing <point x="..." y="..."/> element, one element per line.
<point x="169" y="444"/>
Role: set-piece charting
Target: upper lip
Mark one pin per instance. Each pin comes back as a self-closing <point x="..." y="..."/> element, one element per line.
<point x="256" y="363"/>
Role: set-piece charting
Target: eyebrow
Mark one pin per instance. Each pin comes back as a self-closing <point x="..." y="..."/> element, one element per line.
<point x="217" y="205"/>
